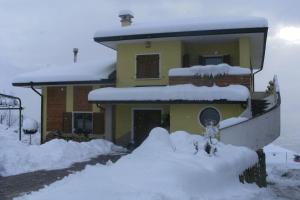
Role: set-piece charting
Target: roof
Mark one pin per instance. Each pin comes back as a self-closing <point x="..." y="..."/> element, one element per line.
<point x="170" y="94"/>
<point x="190" y="30"/>
<point x="179" y="26"/>
<point x="100" y="72"/>
<point x="209" y="70"/>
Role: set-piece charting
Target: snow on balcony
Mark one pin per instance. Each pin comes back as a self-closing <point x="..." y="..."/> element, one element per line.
<point x="186" y="92"/>
<point x="210" y="70"/>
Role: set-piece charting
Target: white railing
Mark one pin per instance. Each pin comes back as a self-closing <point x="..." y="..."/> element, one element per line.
<point x="258" y="131"/>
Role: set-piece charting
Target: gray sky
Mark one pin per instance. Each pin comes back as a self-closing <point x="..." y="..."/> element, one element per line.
<point x="41" y="32"/>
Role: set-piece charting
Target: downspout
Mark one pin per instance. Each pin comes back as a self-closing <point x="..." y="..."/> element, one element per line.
<point x="254" y="75"/>
<point x="42" y="110"/>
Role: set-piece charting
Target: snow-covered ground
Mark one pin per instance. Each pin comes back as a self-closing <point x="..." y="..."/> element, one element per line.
<point x="165" y="166"/>
<point x="20" y="157"/>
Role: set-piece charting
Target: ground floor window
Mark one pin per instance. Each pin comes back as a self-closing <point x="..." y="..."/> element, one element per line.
<point x="83" y="123"/>
<point x="209" y="116"/>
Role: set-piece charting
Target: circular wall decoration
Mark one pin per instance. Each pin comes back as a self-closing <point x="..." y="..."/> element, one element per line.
<point x="209" y="116"/>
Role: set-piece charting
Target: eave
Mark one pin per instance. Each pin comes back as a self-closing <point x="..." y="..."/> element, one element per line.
<point x="108" y="82"/>
<point x="220" y="101"/>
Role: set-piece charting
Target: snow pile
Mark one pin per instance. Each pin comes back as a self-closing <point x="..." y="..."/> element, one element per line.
<point x="186" y="92"/>
<point x="30" y="125"/>
<point x="209" y="70"/>
<point x="166" y="166"/>
<point x="231" y="121"/>
<point x="92" y="71"/>
<point x="18" y="157"/>
<point x="179" y="25"/>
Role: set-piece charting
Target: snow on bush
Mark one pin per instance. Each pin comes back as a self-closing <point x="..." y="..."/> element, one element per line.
<point x="164" y="166"/>
<point x="17" y="157"/>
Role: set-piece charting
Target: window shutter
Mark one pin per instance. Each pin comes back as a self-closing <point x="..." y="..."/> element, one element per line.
<point x="186" y="60"/>
<point x="147" y="66"/>
<point x="227" y="59"/>
<point x="67" y="122"/>
<point x="98" y="123"/>
<point x="201" y="60"/>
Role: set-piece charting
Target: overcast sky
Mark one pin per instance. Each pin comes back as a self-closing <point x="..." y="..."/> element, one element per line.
<point x="41" y="32"/>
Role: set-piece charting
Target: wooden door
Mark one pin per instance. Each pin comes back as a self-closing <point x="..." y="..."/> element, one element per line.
<point x="144" y="122"/>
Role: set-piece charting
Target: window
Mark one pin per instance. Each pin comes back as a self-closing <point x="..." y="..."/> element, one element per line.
<point x="209" y="116"/>
<point x="147" y="66"/>
<point x="214" y="60"/>
<point x="83" y="123"/>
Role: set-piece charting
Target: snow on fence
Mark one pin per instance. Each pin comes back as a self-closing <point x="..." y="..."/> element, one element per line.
<point x="9" y="103"/>
<point x="258" y="131"/>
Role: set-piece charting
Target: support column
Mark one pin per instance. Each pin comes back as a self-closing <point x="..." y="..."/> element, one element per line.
<point x="108" y="123"/>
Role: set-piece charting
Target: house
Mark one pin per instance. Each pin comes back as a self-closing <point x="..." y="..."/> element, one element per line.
<point x="181" y="76"/>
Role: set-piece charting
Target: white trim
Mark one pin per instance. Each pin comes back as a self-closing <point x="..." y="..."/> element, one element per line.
<point x="132" y="119"/>
<point x="159" y="66"/>
<point x="198" y="116"/>
<point x="73" y="112"/>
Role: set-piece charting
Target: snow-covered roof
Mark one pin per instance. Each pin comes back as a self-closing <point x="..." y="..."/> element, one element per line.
<point x="75" y="72"/>
<point x="173" y="93"/>
<point x="186" y="25"/>
<point x="209" y="70"/>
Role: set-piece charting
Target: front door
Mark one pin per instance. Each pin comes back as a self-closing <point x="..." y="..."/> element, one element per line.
<point x="143" y="122"/>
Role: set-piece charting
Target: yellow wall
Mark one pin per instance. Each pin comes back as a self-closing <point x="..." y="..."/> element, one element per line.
<point x="194" y="50"/>
<point x="244" y="52"/>
<point x="170" y="56"/>
<point x="186" y="116"/>
<point x="69" y="99"/>
<point x="124" y="116"/>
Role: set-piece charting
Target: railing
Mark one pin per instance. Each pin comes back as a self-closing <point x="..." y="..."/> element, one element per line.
<point x="258" y="131"/>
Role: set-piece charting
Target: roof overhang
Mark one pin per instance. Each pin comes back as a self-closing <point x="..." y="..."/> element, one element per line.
<point x="171" y="94"/>
<point x="258" y="39"/>
<point x="220" y="101"/>
<point x="106" y="82"/>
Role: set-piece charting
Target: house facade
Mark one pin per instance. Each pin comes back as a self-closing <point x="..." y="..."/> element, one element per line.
<point x="180" y="76"/>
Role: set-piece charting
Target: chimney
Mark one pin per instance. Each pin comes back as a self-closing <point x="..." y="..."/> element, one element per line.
<point x="75" y="51"/>
<point x="126" y="16"/>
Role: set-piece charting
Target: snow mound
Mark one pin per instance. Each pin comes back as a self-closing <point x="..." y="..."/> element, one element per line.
<point x="165" y="166"/>
<point x="30" y="125"/>
<point x="17" y="157"/>
<point x="210" y="70"/>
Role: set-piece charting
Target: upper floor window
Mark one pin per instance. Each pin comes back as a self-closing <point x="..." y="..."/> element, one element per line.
<point x="147" y="66"/>
<point x="214" y="60"/>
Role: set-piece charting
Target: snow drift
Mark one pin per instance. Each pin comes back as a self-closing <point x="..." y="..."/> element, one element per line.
<point x="17" y="157"/>
<point x="164" y="166"/>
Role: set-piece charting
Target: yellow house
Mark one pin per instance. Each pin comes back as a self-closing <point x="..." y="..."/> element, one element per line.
<point x="181" y="76"/>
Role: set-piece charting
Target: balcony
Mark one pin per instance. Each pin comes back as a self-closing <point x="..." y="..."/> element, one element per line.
<point x="221" y="75"/>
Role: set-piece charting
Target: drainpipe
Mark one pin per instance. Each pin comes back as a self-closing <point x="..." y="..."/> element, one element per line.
<point x="42" y="110"/>
<point x="254" y="75"/>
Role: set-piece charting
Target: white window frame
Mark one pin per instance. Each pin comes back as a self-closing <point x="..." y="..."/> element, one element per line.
<point x="214" y="56"/>
<point x="73" y="120"/>
<point x="198" y="116"/>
